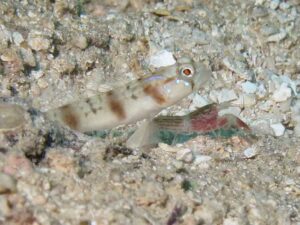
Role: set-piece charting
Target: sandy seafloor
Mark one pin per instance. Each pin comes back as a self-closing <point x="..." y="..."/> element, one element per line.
<point x="54" y="51"/>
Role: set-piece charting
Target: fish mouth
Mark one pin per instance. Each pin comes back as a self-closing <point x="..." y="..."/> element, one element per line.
<point x="203" y="76"/>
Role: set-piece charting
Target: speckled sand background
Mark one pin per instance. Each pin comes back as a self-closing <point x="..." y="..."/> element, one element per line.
<point x="54" y="51"/>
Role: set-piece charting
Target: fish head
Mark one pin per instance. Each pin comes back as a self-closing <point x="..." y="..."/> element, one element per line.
<point x="195" y="73"/>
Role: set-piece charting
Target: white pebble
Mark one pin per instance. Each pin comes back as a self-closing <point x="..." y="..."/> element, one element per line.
<point x="274" y="4"/>
<point x="261" y="91"/>
<point x="18" y="38"/>
<point x="249" y="100"/>
<point x="226" y="95"/>
<point x="250" y="152"/>
<point x="201" y="159"/>
<point x="200" y="37"/>
<point x="167" y="148"/>
<point x="249" y="87"/>
<point x="261" y="126"/>
<point x="162" y="58"/>
<point x="238" y="67"/>
<point x="213" y="95"/>
<point x="298" y="170"/>
<point x="38" y="42"/>
<point x="284" y="5"/>
<point x="231" y="221"/>
<point x="198" y="101"/>
<point x="11" y="116"/>
<point x="278" y="129"/>
<point x="230" y="110"/>
<point x="185" y="155"/>
<point x="36" y="74"/>
<point x="266" y="105"/>
<point x="282" y="94"/>
<point x="277" y="37"/>
<point x="7" y="183"/>
<point x="5" y="208"/>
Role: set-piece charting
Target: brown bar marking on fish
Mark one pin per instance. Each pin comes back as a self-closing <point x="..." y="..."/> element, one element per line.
<point x="69" y="117"/>
<point x="154" y="92"/>
<point x="116" y="106"/>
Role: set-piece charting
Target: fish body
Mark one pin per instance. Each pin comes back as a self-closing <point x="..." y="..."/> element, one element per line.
<point x="137" y="100"/>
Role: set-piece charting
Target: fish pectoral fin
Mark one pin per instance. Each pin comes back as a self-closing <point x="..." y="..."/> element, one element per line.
<point x="143" y="136"/>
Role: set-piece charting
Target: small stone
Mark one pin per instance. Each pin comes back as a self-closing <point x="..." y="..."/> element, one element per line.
<point x="249" y="87"/>
<point x="248" y="100"/>
<point x="7" y="184"/>
<point x="161" y="12"/>
<point x="61" y="161"/>
<point x="261" y="126"/>
<point x="39" y="200"/>
<point x="185" y="155"/>
<point x="259" y="2"/>
<point x="178" y="164"/>
<point x="213" y="95"/>
<point x="259" y="12"/>
<point x="28" y="57"/>
<point x="261" y="91"/>
<point x="274" y="4"/>
<point x="278" y="129"/>
<point x="298" y="170"/>
<point x="64" y="64"/>
<point x="11" y="116"/>
<point x="277" y="37"/>
<point x="230" y="110"/>
<point x="289" y="181"/>
<point x="5" y="36"/>
<point x="8" y="56"/>
<point x="210" y="212"/>
<point x="226" y="95"/>
<point x="297" y="130"/>
<point x="38" y="43"/>
<point x="80" y="42"/>
<point x="250" y="152"/>
<point x="266" y="105"/>
<point x="239" y="67"/>
<point x="285" y="106"/>
<point x="36" y="74"/>
<point x="282" y="94"/>
<point x="198" y="101"/>
<point x="254" y="214"/>
<point x="231" y="221"/>
<point x="200" y="37"/>
<point x="42" y="83"/>
<point x="151" y="193"/>
<point x="284" y="5"/>
<point x="268" y="29"/>
<point x="296" y="117"/>
<point x="199" y="159"/>
<point x="167" y="147"/>
<point x="240" y="47"/>
<point x="18" y="38"/>
<point x="4" y="206"/>
<point x="17" y="164"/>
<point x="162" y="58"/>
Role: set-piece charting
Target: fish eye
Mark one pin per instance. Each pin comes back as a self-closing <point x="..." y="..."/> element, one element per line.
<point x="187" y="71"/>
